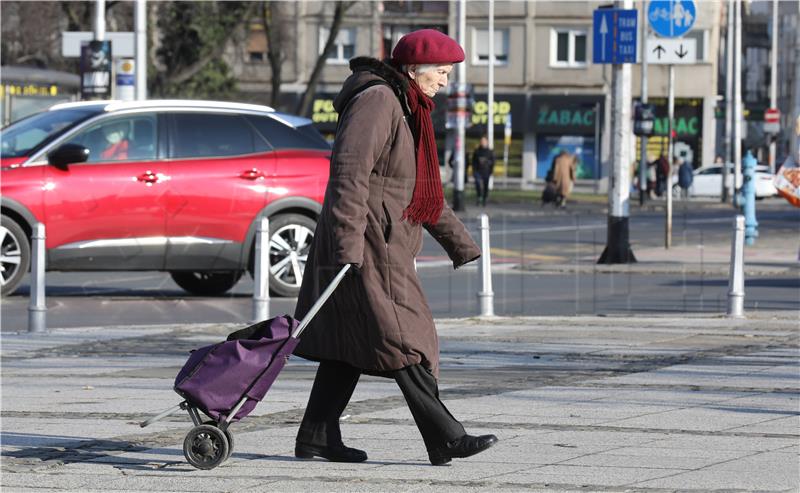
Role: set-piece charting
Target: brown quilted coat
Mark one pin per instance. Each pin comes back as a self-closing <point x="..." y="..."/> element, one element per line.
<point x="378" y="319"/>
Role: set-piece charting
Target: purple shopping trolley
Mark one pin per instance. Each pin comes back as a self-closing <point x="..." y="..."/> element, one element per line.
<point x="226" y="380"/>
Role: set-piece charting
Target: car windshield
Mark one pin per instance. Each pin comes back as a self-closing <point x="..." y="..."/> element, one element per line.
<point x="23" y="137"/>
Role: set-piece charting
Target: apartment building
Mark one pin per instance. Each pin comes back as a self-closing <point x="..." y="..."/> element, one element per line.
<point x="545" y="81"/>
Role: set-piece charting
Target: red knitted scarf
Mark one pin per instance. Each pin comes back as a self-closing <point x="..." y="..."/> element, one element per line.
<point x="428" y="199"/>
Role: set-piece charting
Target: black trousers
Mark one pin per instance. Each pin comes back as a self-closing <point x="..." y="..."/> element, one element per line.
<point x="334" y="385"/>
<point x="482" y="186"/>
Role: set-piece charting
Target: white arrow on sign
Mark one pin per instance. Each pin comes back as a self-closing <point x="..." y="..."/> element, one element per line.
<point x="603" y="32"/>
<point x="671" y="51"/>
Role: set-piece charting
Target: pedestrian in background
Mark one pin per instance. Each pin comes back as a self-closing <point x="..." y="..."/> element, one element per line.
<point x="482" y="169"/>
<point x="662" y="172"/>
<point x="384" y="188"/>
<point x="564" y="168"/>
<point x="685" y="177"/>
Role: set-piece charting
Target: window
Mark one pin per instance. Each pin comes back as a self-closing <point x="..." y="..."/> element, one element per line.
<point x="282" y="136"/>
<point x="256" y="44"/>
<point x="125" y="138"/>
<point x="568" y="48"/>
<point x="700" y="36"/>
<point x="213" y="135"/>
<point x="21" y="138"/>
<point x="344" y="48"/>
<point x="480" y="42"/>
<point x="393" y="32"/>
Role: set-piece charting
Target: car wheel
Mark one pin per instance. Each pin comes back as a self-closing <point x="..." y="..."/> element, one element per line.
<point x="206" y="283"/>
<point x="15" y="255"/>
<point x="290" y="240"/>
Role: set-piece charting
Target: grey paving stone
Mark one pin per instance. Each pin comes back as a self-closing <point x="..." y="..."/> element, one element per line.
<point x="586" y="475"/>
<point x="697" y="418"/>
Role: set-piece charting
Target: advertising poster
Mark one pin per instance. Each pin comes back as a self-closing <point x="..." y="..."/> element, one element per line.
<point x="96" y="70"/>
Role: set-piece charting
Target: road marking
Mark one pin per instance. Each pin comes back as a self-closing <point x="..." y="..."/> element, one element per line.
<point x="515" y="254"/>
<point x="551" y="229"/>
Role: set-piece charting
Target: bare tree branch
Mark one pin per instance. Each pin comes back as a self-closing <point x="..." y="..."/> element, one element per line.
<point x="338" y="15"/>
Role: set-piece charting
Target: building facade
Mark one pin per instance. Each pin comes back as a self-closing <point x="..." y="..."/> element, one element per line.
<point x="546" y="86"/>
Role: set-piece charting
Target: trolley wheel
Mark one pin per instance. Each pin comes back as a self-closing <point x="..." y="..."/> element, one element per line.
<point x="227" y="435"/>
<point x="206" y="447"/>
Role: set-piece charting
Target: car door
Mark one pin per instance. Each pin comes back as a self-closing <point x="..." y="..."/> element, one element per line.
<point x="108" y="213"/>
<point x="707" y="181"/>
<point x="218" y="168"/>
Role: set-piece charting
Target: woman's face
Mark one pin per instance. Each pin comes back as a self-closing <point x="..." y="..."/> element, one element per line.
<point x="431" y="81"/>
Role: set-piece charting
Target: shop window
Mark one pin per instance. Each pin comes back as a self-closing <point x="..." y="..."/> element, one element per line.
<point x="568" y="48"/>
<point x="344" y="47"/>
<point x="480" y="42"/>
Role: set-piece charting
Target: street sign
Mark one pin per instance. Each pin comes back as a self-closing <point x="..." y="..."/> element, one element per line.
<point x="671" y="18"/>
<point x="665" y="51"/>
<point x="772" y="119"/>
<point x="614" y="33"/>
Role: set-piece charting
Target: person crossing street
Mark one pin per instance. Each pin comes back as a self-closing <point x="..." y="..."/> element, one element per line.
<point x="384" y="189"/>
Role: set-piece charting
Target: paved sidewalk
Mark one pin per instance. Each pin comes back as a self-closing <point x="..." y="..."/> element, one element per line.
<point x="579" y="404"/>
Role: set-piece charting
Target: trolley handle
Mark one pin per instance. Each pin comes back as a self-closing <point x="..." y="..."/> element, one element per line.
<point x="321" y="301"/>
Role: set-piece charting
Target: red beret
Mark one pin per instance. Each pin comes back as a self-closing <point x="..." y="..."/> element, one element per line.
<point x="427" y="46"/>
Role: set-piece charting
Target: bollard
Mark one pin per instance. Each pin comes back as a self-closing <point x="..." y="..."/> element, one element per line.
<point x="736" y="275"/>
<point x="261" y="272"/>
<point x="37" y="308"/>
<point x="749" y="196"/>
<point x="486" y="295"/>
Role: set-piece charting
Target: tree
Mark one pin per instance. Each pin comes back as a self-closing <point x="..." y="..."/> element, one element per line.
<point x="192" y="37"/>
<point x="338" y="14"/>
<point x="271" y="21"/>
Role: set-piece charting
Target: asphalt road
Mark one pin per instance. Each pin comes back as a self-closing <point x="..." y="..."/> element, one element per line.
<point x="576" y="236"/>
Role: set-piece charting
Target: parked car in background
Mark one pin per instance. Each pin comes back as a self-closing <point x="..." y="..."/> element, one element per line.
<point x="174" y="186"/>
<point x="707" y="182"/>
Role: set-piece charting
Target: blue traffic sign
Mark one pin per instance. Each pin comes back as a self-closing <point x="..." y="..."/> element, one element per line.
<point x="671" y="18"/>
<point x="614" y="36"/>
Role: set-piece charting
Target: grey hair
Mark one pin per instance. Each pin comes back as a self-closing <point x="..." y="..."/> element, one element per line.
<point x="421" y="69"/>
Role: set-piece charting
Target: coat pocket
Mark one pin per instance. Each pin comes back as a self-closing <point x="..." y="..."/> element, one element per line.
<point x="386" y="223"/>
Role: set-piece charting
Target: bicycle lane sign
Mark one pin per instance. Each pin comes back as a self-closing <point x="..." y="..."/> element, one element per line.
<point x="671" y="18"/>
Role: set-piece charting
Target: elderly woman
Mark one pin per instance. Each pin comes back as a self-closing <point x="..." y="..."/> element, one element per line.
<point x="384" y="188"/>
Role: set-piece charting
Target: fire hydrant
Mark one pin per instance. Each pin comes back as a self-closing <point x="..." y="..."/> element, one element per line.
<point x="749" y="198"/>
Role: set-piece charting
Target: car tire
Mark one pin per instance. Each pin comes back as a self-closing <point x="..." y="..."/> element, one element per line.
<point x="206" y="283"/>
<point x="15" y="256"/>
<point x="290" y="236"/>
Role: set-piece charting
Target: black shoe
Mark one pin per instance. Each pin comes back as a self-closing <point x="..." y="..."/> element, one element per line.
<point x="465" y="446"/>
<point x="339" y="453"/>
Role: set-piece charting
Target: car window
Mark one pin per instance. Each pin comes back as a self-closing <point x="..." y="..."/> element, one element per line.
<point x="213" y="135"/>
<point x="282" y="136"/>
<point x="21" y="138"/>
<point x="124" y="138"/>
<point x="711" y="171"/>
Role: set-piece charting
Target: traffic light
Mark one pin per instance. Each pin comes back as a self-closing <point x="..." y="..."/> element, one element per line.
<point x="643" y="117"/>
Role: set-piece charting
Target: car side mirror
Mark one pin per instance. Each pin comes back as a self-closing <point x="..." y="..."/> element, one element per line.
<point x="68" y="154"/>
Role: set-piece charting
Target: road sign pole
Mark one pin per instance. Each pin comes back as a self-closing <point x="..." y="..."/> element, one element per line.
<point x="618" y="250"/>
<point x="643" y="160"/>
<point x="773" y="83"/>
<point x="670" y="151"/>
<point x="490" y="81"/>
<point x="728" y="101"/>
<point x="737" y="94"/>
<point x="100" y="20"/>
<point x="460" y="147"/>
<point x="140" y="23"/>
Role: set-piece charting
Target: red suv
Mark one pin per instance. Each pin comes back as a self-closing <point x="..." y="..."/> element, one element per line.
<point x="172" y="186"/>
